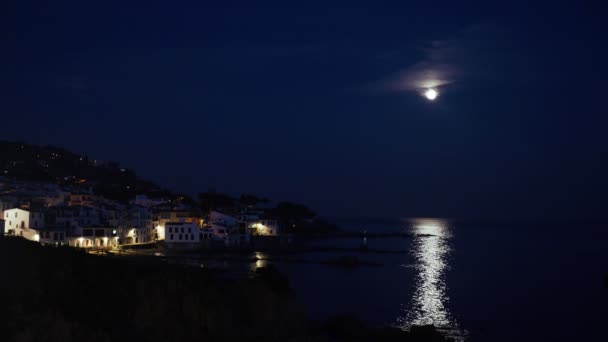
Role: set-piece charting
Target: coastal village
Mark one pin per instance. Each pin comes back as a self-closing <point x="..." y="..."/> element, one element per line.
<point x="68" y="212"/>
<point x="74" y="216"/>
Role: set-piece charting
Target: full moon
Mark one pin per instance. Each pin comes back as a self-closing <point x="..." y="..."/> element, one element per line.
<point x="431" y="94"/>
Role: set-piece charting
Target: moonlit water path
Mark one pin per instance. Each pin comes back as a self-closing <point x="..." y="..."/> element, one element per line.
<point x="429" y="303"/>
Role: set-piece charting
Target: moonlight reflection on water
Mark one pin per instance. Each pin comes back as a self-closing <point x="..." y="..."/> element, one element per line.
<point x="428" y="304"/>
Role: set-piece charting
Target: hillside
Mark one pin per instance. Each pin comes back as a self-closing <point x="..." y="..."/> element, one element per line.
<point x="21" y="161"/>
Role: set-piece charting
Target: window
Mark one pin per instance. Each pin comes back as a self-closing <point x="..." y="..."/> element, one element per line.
<point x="181" y="229"/>
<point x="170" y="230"/>
<point x="191" y="236"/>
<point x="170" y="236"/>
<point x="189" y="230"/>
<point x="15" y="214"/>
<point x="180" y="236"/>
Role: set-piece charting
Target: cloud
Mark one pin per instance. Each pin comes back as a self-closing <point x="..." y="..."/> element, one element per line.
<point x="435" y="69"/>
<point x="478" y="52"/>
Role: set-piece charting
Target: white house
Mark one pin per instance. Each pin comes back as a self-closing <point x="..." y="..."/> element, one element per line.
<point x="265" y="226"/>
<point x="134" y="235"/>
<point x="256" y="222"/>
<point x="23" y="222"/>
<point x="182" y="235"/>
<point x="136" y="225"/>
<point x="162" y="218"/>
<point x="180" y="232"/>
<point x="237" y="230"/>
<point x="221" y="225"/>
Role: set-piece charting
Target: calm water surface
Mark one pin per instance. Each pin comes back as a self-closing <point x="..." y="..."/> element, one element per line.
<point x="479" y="283"/>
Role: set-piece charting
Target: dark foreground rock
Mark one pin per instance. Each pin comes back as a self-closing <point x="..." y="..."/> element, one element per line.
<point x="349" y="328"/>
<point x="63" y="294"/>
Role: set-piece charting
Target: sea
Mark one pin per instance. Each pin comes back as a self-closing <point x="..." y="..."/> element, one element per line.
<point x="476" y="282"/>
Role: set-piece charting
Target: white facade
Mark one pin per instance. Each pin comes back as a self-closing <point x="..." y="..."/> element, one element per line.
<point x="161" y="219"/>
<point x="181" y="232"/>
<point x="137" y="226"/>
<point x="129" y="236"/>
<point x="159" y="232"/>
<point x="256" y="223"/>
<point x="19" y="221"/>
<point x="268" y="227"/>
<point x="221" y="225"/>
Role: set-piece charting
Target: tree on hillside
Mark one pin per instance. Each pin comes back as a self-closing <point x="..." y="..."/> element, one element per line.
<point x="212" y="200"/>
<point x="292" y="212"/>
<point x="252" y="200"/>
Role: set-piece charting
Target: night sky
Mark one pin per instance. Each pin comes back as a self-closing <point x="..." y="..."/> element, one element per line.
<point x="319" y="104"/>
